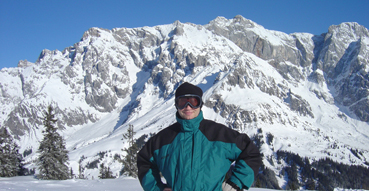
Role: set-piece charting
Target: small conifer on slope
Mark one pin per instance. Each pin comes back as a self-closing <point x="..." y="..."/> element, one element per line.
<point x="53" y="155"/>
<point x="130" y="160"/>
<point x="10" y="159"/>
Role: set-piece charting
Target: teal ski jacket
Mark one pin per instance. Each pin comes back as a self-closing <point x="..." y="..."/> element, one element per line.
<point x="195" y="155"/>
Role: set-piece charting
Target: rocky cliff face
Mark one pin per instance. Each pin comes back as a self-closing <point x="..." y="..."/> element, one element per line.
<point x="339" y="54"/>
<point x="302" y="88"/>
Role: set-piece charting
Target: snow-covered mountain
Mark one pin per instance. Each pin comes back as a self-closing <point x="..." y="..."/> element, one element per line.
<point x="300" y="93"/>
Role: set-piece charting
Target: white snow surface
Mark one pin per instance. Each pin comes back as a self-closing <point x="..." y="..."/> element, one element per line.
<point x="30" y="183"/>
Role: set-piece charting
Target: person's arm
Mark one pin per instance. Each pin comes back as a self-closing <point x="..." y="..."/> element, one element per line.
<point x="247" y="164"/>
<point x="148" y="172"/>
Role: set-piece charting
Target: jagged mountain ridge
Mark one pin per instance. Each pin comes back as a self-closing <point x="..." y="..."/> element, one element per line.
<point x="309" y="92"/>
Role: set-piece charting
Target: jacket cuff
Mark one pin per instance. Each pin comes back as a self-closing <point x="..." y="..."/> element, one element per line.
<point x="233" y="185"/>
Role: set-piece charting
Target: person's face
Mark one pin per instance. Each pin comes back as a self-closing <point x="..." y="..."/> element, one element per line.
<point x="188" y="112"/>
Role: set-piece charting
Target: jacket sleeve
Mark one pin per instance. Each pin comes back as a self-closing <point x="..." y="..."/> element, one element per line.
<point x="148" y="172"/>
<point x="247" y="164"/>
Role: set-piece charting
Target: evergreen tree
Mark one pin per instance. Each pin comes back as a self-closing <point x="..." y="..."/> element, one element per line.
<point x="10" y="159"/>
<point x="130" y="160"/>
<point x="72" y="175"/>
<point x="105" y="172"/>
<point x="310" y="185"/>
<point x="53" y="156"/>
<point x="80" y="174"/>
<point x="81" y="169"/>
<point x="102" y="171"/>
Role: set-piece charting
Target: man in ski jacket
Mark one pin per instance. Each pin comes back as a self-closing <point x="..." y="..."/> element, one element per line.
<point x="194" y="154"/>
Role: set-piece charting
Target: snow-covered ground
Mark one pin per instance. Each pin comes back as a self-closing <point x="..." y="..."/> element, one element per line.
<point x="30" y="183"/>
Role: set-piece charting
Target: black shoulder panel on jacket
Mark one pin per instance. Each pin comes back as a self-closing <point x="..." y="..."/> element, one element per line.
<point x="165" y="136"/>
<point x="219" y="132"/>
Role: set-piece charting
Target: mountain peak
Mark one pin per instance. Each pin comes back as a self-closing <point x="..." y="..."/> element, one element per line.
<point x="349" y="28"/>
<point x="177" y="23"/>
<point x="238" y="19"/>
<point x="93" y="32"/>
<point x="24" y="63"/>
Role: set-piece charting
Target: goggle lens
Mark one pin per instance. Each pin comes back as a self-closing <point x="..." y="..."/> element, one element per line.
<point x="193" y="101"/>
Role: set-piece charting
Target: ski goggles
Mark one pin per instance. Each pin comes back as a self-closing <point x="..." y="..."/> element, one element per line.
<point x="192" y="100"/>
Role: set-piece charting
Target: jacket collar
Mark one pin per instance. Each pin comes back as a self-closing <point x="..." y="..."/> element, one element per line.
<point x="191" y="124"/>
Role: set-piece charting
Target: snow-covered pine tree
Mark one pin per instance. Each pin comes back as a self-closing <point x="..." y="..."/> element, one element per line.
<point x="53" y="156"/>
<point x="81" y="169"/>
<point x="10" y="159"/>
<point x="102" y="173"/>
<point x="130" y="160"/>
<point x="72" y="175"/>
<point x="105" y="172"/>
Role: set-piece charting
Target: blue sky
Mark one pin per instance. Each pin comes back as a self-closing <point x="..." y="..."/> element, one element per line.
<point x="29" y="26"/>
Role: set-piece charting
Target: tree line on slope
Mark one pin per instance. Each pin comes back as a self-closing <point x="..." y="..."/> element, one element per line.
<point x="324" y="174"/>
<point x="299" y="173"/>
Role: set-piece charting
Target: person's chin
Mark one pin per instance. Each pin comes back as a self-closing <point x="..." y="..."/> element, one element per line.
<point x="187" y="116"/>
